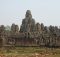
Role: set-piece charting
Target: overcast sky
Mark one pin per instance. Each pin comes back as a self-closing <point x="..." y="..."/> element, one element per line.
<point x="43" y="11"/>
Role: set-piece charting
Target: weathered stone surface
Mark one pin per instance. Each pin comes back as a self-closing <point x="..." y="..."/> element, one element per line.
<point x="14" y="28"/>
<point x="42" y="26"/>
<point x="2" y="28"/>
<point x="28" y="23"/>
<point x="38" y="27"/>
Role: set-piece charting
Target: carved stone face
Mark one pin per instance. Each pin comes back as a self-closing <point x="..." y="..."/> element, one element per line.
<point x="28" y="13"/>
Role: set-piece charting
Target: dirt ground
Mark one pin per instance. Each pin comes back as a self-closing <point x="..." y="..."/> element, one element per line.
<point x="32" y="55"/>
<point x="30" y="52"/>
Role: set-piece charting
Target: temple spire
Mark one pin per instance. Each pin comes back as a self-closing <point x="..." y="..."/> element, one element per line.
<point x="28" y="14"/>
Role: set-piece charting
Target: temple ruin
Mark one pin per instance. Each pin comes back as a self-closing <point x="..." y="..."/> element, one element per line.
<point x="30" y="34"/>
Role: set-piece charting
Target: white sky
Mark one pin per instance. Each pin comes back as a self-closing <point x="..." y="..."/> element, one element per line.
<point x="43" y="11"/>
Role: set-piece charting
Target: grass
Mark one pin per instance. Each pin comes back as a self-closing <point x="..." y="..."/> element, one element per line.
<point x="30" y="51"/>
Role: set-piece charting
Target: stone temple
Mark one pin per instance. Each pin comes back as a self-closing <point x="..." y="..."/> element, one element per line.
<point x="30" y="34"/>
<point x="28" y="23"/>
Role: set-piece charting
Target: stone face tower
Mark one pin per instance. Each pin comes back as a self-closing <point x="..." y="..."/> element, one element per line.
<point x="28" y="23"/>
